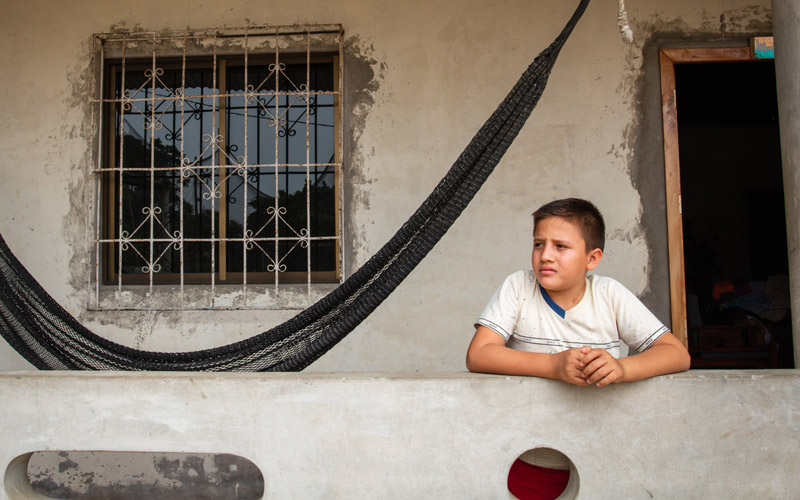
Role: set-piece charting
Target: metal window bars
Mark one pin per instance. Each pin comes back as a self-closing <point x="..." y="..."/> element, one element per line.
<point x="203" y="179"/>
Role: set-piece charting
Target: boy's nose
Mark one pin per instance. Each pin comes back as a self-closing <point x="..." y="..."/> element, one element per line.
<point x="547" y="253"/>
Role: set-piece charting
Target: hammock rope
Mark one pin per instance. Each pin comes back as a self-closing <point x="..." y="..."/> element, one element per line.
<point x="50" y="338"/>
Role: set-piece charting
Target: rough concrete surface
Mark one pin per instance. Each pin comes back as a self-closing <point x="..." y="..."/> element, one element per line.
<point x="697" y="435"/>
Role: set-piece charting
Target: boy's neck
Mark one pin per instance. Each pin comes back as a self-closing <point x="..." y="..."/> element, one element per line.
<point x="567" y="299"/>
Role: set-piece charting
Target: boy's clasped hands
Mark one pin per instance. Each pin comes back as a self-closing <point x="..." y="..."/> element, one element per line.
<point x="587" y="366"/>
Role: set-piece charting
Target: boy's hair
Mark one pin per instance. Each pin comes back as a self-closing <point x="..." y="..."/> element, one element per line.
<point x="579" y="212"/>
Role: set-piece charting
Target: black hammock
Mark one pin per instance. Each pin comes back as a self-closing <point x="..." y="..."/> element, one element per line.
<point x="50" y="338"/>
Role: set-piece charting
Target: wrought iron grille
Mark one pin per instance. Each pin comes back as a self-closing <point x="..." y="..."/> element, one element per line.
<point x="219" y="161"/>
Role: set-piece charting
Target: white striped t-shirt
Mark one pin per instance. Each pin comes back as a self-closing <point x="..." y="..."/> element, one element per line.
<point x="523" y="314"/>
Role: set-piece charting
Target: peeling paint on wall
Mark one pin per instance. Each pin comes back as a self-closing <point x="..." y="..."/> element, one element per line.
<point x="729" y="23"/>
<point x="79" y="126"/>
<point x="642" y="144"/>
<point x="137" y="475"/>
<point x="363" y="77"/>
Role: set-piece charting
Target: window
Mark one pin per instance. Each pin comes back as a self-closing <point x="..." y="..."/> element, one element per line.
<point x="220" y="158"/>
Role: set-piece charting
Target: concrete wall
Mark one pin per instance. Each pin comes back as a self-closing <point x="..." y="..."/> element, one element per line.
<point x="697" y="435"/>
<point x="420" y="79"/>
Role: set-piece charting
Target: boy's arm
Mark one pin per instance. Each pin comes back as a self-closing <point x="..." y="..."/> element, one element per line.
<point x="666" y="355"/>
<point x="488" y="353"/>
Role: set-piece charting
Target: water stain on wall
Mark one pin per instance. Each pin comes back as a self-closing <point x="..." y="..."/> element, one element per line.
<point x="363" y="77"/>
<point x="136" y="475"/>
<point x="643" y="138"/>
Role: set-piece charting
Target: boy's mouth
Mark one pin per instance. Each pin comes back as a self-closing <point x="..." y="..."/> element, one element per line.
<point x="547" y="271"/>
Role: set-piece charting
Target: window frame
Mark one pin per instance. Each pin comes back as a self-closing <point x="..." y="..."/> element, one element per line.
<point x="288" y="45"/>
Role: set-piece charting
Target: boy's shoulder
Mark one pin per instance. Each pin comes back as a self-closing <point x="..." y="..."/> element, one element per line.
<point x="523" y="281"/>
<point x="523" y="275"/>
<point x="517" y="285"/>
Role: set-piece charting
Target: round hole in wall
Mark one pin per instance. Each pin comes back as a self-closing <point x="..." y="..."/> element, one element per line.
<point x="543" y="474"/>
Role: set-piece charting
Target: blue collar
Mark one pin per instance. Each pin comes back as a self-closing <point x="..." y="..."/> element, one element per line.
<point x="550" y="302"/>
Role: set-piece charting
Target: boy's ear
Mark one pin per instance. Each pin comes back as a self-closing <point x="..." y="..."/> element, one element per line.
<point x="595" y="256"/>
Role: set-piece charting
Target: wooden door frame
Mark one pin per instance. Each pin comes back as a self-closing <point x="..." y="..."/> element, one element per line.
<point x="668" y="58"/>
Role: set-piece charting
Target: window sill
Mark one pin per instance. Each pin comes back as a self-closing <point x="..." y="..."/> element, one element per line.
<point x="203" y="297"/>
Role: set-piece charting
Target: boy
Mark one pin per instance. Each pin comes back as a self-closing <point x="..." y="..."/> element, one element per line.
<point x="556" y="322"/>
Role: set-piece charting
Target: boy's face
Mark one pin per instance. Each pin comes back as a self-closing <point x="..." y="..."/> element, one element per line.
<point x="560" y="258"/>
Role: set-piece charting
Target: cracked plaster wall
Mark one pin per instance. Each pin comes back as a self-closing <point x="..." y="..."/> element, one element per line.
<point x="420" y="78"/>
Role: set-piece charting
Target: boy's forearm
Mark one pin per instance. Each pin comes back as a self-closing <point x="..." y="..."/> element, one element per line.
<point x="506" y="361"/>
<point x="660" y="359"/>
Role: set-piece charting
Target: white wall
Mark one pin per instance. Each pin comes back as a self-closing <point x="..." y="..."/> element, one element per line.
<point x="439" y="70"/>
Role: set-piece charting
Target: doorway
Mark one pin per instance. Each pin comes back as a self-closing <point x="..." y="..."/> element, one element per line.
<point x="722" y="146"/>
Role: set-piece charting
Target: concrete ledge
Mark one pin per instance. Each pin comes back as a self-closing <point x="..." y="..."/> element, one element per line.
<point x="701" y="434"/>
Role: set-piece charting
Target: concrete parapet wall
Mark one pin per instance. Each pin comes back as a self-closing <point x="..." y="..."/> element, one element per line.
<point x="701" y="434"/>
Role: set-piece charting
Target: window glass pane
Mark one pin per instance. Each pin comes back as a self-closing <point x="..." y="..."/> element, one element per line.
<point x="322" y="140"/>
<point x="323" y="255"/>
<point x="246" y="170"/>
<point x="257" y="110"/>
<point x="323" y="202"/>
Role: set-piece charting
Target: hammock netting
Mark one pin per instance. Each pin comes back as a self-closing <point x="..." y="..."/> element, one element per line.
<point x="50" y="338"/>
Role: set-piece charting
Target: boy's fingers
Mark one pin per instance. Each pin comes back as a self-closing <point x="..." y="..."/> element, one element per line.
<point x="592" y="356"/>
<point x="575" y="377"/>
<point x="612" y="376"/>
<point x="580" y="379"/>
<point x="593" y="361"/>
<point x="604" y="382"/>
<point x="605" y="374"/>
<point x="570" y="367"/>
<point x="597" y="369"/>
<point x="600" y="375"/>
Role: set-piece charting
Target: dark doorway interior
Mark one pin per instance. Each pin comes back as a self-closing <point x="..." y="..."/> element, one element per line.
<point x="733" y="215"/>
